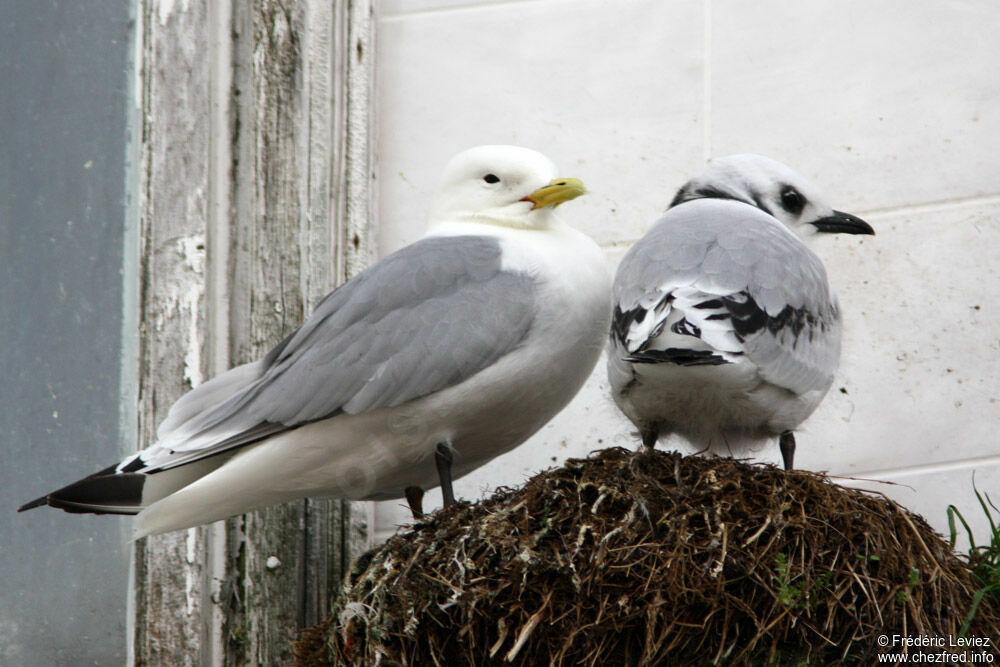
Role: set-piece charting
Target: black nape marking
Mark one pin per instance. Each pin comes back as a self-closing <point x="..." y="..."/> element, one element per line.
<point x="689" y="193"/>
<point x="679" y="356"/>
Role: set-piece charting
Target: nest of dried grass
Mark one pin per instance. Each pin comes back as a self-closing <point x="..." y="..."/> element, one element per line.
<point x="652" y="558"/>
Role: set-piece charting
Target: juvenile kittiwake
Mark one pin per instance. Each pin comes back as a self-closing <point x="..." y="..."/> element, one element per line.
<point x="440" y="357"/>
<point x="725" y="329"/>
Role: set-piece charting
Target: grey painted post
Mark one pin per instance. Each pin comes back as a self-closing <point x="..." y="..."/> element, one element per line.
<point x="64" y="109"/>
<point x="257" y="157"/>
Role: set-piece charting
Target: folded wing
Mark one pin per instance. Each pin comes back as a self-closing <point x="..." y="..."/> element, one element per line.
<point x="423" y="319"/>
<point x="700" y="290"/>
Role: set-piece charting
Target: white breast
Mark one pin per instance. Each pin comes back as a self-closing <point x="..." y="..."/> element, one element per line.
<point x="523" y="390"/>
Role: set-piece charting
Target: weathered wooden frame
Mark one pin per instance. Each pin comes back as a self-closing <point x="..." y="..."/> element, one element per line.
<point x="253" y="169"/>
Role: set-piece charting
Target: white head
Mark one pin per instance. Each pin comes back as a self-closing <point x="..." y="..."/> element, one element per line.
<point x="501" y="185"/>
<point x="773" y="188"/>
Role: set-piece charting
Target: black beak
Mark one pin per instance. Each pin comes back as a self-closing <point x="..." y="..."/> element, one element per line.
<point x="842" y="223"/>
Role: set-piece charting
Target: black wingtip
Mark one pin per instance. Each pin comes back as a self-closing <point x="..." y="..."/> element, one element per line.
<point x="679" y="356"/>
<point x="37" y="502"/>
<point x="104" y="492"/>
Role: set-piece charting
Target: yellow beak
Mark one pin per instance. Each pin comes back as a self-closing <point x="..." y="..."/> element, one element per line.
<point x="558" y="191"/>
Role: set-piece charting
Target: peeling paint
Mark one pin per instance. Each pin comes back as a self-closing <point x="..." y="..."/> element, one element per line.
<point x="182" y="303"/>
<point x="192" y="351"/>
<point x="166" y="8"/>
<point x="190" y="581"/>
<point x="185" y="302"/>
<point x="192" y="249"/>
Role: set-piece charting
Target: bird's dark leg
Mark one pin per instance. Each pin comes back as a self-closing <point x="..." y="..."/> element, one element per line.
<point x="415" y="499"/>
<point x="787" y="443"/>
<point x="443" y="458"/>
<point x="650" y="434"/>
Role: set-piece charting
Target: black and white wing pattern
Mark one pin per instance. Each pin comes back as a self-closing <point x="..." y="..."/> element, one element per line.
<point x="698" y="290"/>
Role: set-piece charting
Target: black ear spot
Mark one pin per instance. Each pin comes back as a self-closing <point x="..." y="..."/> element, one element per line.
<point x="792" y="200"/>
<point x="491" y="178"/>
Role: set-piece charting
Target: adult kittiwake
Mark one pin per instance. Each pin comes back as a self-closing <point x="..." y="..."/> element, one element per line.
<point x="440" y="357"/>
<point x="725" y="329"/>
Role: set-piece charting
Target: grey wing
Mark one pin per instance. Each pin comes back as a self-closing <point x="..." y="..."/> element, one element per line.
<point x="425" y="318"/>
<point x="701" y="290"/>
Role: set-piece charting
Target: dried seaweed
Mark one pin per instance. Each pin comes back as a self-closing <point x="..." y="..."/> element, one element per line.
<point x="651" y="558"/>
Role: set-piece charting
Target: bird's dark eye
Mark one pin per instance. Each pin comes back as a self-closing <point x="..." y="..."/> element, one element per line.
<point x="792" y="200"/>
<point x="491" y="178"/>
